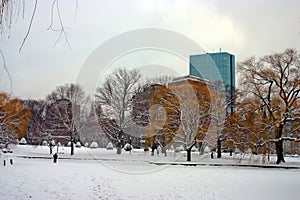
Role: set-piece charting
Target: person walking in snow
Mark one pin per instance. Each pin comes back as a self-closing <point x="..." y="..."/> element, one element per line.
<point x="55" y="156"/>
<point x="4" y="159"/>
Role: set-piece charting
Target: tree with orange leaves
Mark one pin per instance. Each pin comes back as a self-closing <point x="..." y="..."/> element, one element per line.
<point x="156" y="110"/>
<point x="164" y="116"/>
<point x="274" y="81"/>
<point x="13" y="119"/>
<point x="195" y="104"/>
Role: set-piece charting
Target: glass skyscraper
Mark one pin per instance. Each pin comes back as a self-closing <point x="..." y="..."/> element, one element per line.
<point x="216" y="67"/>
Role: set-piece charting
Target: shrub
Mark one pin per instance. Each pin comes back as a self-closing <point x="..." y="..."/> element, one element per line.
<point x="23" y="141"/>
<point x="78" y="145"/>
<point x="44" y="143"/>
<point x="109" y="146"/>
<point x="94" y="145"/>
<point x="127" y="147"/>
<point x="180" y="148"/>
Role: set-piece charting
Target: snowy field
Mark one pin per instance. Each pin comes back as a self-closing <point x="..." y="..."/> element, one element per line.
<point x="102" y="174"/>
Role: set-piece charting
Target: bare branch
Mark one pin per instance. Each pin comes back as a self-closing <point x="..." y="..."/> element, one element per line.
<point x="30" y="24"/>
<point x="6" y="70"/>
<point x="62" y="30"/>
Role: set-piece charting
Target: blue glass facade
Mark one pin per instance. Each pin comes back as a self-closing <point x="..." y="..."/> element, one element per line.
<point x="216" y="67"/>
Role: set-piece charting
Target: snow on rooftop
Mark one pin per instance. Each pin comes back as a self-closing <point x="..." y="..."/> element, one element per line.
<point x="189" y="77"/>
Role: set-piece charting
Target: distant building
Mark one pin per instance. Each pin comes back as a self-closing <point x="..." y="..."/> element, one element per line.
<point x="216" y="67"/>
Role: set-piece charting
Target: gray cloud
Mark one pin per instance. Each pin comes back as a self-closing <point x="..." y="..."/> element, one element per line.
<point x="244" y="28"/>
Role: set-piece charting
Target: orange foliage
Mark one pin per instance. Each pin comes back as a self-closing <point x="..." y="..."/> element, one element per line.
<point x="14" y="118"/>
<point x="164" y="115"/>
<point x="195" y="105"/>
<point x="182" y="109"/>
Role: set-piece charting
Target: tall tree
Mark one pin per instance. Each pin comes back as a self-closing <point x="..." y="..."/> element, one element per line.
<point x="59" y="122"/>
<point x="156" y="111"/>
<point x="80" y="108"/>
<point x="247" y="128"/>
<point x="115" y="96"/>
<point x="14" y="119"/>
<point x="195" y="104"/>
<point x="275" y="81"/>
<point x="220" y="102"/>
<point x="34" y="132"/>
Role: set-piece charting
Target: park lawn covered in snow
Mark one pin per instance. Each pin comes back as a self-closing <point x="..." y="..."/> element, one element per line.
<point x="101" y="174"/>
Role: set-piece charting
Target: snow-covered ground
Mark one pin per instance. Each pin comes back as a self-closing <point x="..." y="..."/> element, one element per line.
<point x="102" y="174"/>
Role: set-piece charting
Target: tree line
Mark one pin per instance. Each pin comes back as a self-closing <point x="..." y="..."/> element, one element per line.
<point x="128" y="109"/>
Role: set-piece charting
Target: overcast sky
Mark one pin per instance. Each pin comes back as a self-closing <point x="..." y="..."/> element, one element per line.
<point x="243" y="28"/>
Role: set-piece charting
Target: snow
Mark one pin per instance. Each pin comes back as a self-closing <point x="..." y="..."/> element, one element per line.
<point x="23" y="141"/>
<point x="45" y="143"/>
<point x="103" y="174"/>
<point x="127" y="147"/>
<point x="78" y="145"/>
<point x="94" y="145"/>
<point x="109" y="146"/>
<point x="180" y="148"/>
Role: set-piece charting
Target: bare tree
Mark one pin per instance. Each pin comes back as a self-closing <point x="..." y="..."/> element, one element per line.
<point x="218" y="111"/>
<point x="91" y="131"/>
<point x="59" y="122"/>
<point x="80" y="107"/>
<point x="275" y="81"/>
<point x="34" y="131"/>
<point x="115" y="96"/>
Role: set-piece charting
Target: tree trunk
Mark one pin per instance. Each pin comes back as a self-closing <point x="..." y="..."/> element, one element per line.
<point x="268" y="149"/>
<point x="189" y="154"/>
<point x="152" y="152"/>
<point x="279" y="151"/>
<point x="201" y="148"/>
<point x="120" y="142"/>
<point x="219" y="145"/>
<point x="72" y="138"/>
<point x="50" y="149"/>
<point x="119" y="147"/>
<point x="164" y="150"/>
<point x="119" y="150"/>
<point x="72" y="147"/>
<point x="279" y="145"/>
